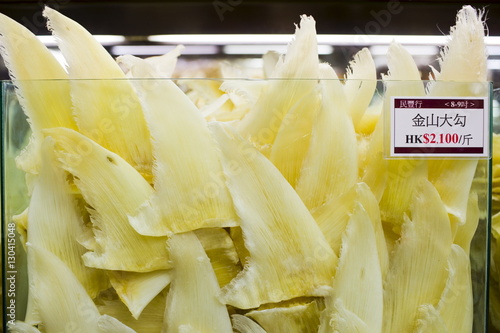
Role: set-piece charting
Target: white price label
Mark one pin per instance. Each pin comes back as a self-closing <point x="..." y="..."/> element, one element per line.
<point x="439" y="126"/>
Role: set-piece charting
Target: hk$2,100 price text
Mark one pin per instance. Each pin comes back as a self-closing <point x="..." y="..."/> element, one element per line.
<point x="439" y="138"/>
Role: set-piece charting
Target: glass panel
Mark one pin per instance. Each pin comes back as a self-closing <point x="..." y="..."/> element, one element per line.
<point x="295" y="125"/>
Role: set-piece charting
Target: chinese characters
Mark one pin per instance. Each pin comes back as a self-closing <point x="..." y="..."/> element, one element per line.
<point x="410" y="103"/>
<point x="433" y="120"/>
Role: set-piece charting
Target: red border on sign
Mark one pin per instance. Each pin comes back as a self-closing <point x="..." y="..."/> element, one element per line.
<point x="438" y="150"/>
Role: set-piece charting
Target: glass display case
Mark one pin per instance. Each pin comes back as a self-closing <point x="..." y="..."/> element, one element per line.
<point x="408" y="233"/>
<point x="224" y="139"/>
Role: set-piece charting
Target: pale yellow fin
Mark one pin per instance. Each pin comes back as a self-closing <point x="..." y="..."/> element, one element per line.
<point x="343" y="321"/>
<point x="150" y="320"/>
<point x="190" y="190"/>
<point x="429" y="320"/>
<point x="244" y="324"/>
<point x="403" y="71"/>
<point x="374" y="170"/>
<point x="21" y="327"/>
<point x="286" y="247"/>
<point x="360" y="84"/>
<point x="41" y="86"/>
<point x="296" y="72"/>
<point x="463" y="60"/>
<point x="55" y="223"/>
<point x="464" y="57"/>
<point x="297" y="318"/>
<point x="47" y="101"/>
<point x="331" y="164"/>
<point x="465" y="232"/>
<point x="453" y="179"/>
<point x="137" y="290"/>
<point x="403" y="177"/>
<point x="456" y="305"/>
<point x="106" y="324"/>
<point x="358" y="281"/>
<point x="222" y="253"/>
<point x="403" y="79"/>
<point x="106" y="106"/>
<point x="333" y="217"/>
<point x="192" y="303"/>
<point x="291" y="144"/>
<point x="60" y="298"/>
<point x="99" y="175"/>
<point x="163" y="65"/>
<point x="418" y="270"/>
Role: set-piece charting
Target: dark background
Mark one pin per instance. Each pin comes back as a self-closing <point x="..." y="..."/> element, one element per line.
<point x="138" y="19"/>
<point x="132" y="17"/>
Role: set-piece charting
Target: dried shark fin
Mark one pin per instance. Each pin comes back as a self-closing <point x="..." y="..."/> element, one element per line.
<point x="456" y="304"/>
<point x="222" y="253"/>
<point x="55" y="222"/>
<point x="137" y="290"/>
<point x="403" y="79"/>
<point x="463" y="60"/>
<point x="296" y="72"/>
<point x="163" y="65"/>
<point x="99" y="174"/>
<point x="192" y="303"/>
<point x="358" y="280"/>
<point x="418" y="270"/>
<point x="331" y="164"/>
<point x="190" y="190"/>
<point x="61" y="300"/>
<point x="295" y="318"/>
<point x="150" y="320"/>
<point x="106" y="107"/>
<point x="42" y="90"/>
<point x="286" y="247"/>
<point x="244" y="324"/>
<point x="292" y="141"/>
<point x="360" y="84"/>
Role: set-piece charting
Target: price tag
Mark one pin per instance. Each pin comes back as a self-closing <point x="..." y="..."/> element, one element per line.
<point x="439" y="126"/>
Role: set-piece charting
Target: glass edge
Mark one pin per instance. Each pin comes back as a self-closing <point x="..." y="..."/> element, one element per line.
<point x="3" y="217"/>
<point x="489" y="216"/>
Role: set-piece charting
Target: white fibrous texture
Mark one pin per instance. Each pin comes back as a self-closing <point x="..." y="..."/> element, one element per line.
<point x="183" y="205"/>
